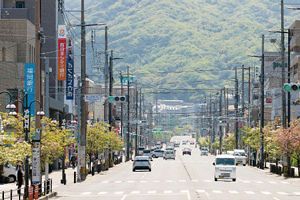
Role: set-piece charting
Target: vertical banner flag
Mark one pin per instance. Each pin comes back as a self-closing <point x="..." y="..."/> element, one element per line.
<point x="29" y="84"/>
<point x="70" y="74"/>
<point x="61" y="53"/>
<point x="36" y="157"/>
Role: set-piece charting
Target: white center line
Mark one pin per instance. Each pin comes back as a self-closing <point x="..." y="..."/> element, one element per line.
<point x="249" y="192"/>
<point x="266" y="192"/>
<point x="135" y="192"/>
<point x="102" y="193"/>
<point x="217" y="191"/>
<point x="282" y="193"/>
<point x="233" y="192"/>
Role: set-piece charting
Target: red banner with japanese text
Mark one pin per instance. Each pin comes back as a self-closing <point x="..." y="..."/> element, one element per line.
<point x="62" y="59"/>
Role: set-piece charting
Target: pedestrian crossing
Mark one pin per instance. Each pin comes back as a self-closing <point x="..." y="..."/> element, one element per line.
<point x="195" y="181"/>
<point x="199" y="191"/>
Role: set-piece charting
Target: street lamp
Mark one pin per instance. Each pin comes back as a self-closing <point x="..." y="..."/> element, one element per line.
<point x="26" y="125"/>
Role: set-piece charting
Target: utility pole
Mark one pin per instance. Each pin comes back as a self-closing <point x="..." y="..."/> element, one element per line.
<point x="243" y="90"/>
<point x="283" y="66"/>
<point x="106" y="75"/>
<point x="236" y="108"/>
<point x="122" y="93"/>
<point x="110" y="89"/>
<point x="289" y="77"/>
<point x="210" y="124"/>
<point x="82" y="152"/>
<point x="136" y="118"/>
<point x="249" y="96"/>
<point x="47" y="73"/>
<point x="220" y="125"/>
<point x="262" y="104"/>
<point x="140" y="116"/>
<point x="38" y="82"/>
<point x="128" y="118"/>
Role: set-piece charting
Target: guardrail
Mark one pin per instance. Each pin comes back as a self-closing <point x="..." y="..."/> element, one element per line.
<point x="35" y="191"/>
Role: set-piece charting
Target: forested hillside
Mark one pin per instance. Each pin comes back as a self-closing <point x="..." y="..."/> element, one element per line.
<point x="187" y="36"/>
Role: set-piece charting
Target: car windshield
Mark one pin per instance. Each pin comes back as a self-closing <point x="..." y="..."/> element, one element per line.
<point x="225" y="161"/>
<point x="239" y="154"/>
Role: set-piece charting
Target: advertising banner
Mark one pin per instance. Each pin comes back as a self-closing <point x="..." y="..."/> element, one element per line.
<point x="29" y="84"/>
<point x="70" y="78"/>
<point x="62" y="52"/>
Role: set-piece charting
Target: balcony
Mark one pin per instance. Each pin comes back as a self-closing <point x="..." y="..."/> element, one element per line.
<point x="14" y="13"/>
<point x="295" y="43"/>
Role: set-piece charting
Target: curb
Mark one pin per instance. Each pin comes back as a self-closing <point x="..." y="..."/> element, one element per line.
<point x="48" y="196"/>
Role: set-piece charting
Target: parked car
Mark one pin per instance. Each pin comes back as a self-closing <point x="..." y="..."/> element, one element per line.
<point x="141" y="162"/>
<point x="169" y="154"/>
<point x="187" y="151"/>
<point x="176" y="144"/>
<point x="240" y="156"/>
<point x="158" y="153"/>
<point x="225" y="167"/>
<point x="148" y="153"/>
<point x="9" y="173"/>
<point x="204" y="151"/>
<point x="184" y="142"/>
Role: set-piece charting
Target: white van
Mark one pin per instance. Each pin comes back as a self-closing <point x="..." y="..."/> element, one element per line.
<point x="225" y="167"/>
<point x="240" y="156"/>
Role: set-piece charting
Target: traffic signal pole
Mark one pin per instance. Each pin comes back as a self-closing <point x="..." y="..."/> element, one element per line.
<point x="262" y="104"/>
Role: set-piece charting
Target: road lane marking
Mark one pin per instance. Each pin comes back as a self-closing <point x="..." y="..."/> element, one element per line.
<point x="118" y="193"/>
<point x="168" y="191"/>
<point x="272" y="182"/>
<point x="184" y="191"/>
<point x="156" y="181"/>
<point x="101" y="193"/>
<point x="217" y="191"/>
<point x="233" y="192"/>
<point x="104" y="182"/>
<point x="284" y="182"/>
<point x="296" y="193"/>
<point x="135" y="192"/>
<point x="118" y="181"/>
<point x="245" y="181"/>
<point x="282" y="193"/>
<point x="130" y="181"/>
<point x="169" y="181"/>
<point x="85" y="193"/>
<point x="200" y="191"/>
<point x="143" y="181"/>
<point x="182" y="181"/>
<point x="249" y="192"/>
<point x="266" y="192"/>
<point x="152" y="192"/>
<point x="195" y="180"/>
<point x="208" y="181"/>
<point x="275" y="198"/>
<point x="259" y="182"/>
<point x="124" y="197"/>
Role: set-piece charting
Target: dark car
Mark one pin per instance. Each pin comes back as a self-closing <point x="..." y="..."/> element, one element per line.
<point x="187" y="151"/>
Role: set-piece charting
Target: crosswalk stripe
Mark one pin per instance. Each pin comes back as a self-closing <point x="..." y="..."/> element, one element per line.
<point x="272" y="182"/>
<point x="259" y="182"/>
<point x="195" y="180"/>
<point x="182" y="181"/>
<point x="135" y="192"/>
<point x="118" y="181"/>
<point x="104" y="182"/>
<point x="168" y="191"/>
<point x="233" y="192"/>
<point x="217" y="191"/>
<point x="85" y="193"/>
<point x="282" y="193"/>
<point x="284" y="182"/>
<point x="101" y="193"/>
<point x="143" y="181"/>
<point x="169" y="181"/>
<point x="130" y="181"/>
<point x="184" y="191"/>
<point x="266" y="192"/>
<point x="249" y="192"/>
<point x="151" y="192"/>
<point x="297" y="193"/>
<point x="200" y="191"/>
<point x="119" y="192"/>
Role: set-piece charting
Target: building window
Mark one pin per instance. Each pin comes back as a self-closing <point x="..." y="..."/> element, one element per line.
<point x="20" y="4"/>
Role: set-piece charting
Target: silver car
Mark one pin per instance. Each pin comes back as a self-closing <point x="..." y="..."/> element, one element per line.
<point x="141" y="162"/>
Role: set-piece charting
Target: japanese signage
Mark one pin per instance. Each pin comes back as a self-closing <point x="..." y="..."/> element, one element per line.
<point x="125" y="79"/>
<point x="29" y="84"/>
<point x="61" y="53"/>
<point x="36" y="158"/>
<point x="70" y="76"/>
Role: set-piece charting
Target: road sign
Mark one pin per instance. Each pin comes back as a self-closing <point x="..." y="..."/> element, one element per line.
<point x="124" y="79"/>
<point x="92" y="98"/>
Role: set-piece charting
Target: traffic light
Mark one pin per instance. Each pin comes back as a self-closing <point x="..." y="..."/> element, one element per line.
<point x="112" y="99"/>
<point x="291" y="87"/>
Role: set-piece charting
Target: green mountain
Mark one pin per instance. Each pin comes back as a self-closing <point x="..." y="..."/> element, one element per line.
<point x="175" y="44"/>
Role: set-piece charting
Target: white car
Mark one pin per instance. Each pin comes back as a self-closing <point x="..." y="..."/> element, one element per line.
<point x="240" y="156"/>
<point x="141" y="162"/>
<point x="158" y="153"/>
<point x="9" y="172"/>
<point x="204" y="151"/>
<point x="169" y="154"/>
<point x="225" y="167"/>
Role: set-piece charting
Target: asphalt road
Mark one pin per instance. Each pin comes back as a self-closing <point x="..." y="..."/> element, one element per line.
<point x="186" y="178"/>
